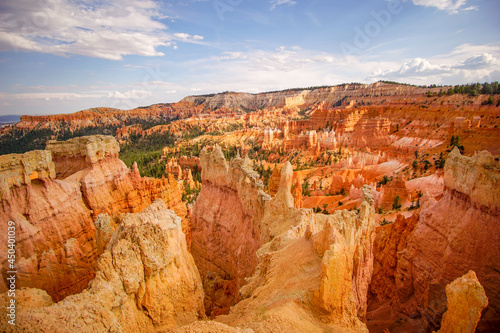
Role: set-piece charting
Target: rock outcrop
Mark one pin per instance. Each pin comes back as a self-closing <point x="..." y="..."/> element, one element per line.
<point x="389" y="192"/>
<point x="80" y="153"/>
<point x="21" y="169"/>
<point x="416" y="257"/>
<point x="465" y="300"/>
<point x="299" y="253"/>
<point x="313" y="274"/>
<point x="274" y="181"/>
<point x="225" y="229"/>
<point x="56" y="246"/>
<point x="146" y="281"/>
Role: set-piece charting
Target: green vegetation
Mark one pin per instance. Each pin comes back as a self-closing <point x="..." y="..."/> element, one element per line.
<point x="146" y="151"/>
<point x="398" y="83"/>
<point x="265" y="173"/>
<point x="189" y="195"/>
<point x="384" y="180"/>
<point x="414" y="205"/>
<point x="473" y="89"/>
<point x="385" y="222"/>
<point x="305" y="189"/>
<point x="397" y="203"/>
<point x="20" y="141"/>
<point x="440" y="162"/>
<point x="455" y="142"/>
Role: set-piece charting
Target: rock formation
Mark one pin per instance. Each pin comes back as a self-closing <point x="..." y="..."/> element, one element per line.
<point x="146" y="280"/>
<point x="313" y="274"/>
<point x="274" y="181"/>
<point x="80" y="153"/>
<point x="296" y="250"/>
<point x="56" y="246"/>
<point x="416" y="257"/>
<point x="388" y="193"/>
<point x="297" y="195"/>
<point x="465" y="301"/>
<point x="225" y="232"/>
<point x="21" y="169"/>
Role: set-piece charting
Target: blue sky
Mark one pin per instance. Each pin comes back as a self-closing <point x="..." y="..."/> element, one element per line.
<point x="61" y="56"/>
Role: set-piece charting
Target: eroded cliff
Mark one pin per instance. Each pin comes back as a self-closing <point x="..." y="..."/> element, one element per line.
<point x="225" y="227"/>
<point x="56" y="246"/>
<point x="307" y="271"/>
<point x="416" y="257"/>
<point x="146" y="281"/>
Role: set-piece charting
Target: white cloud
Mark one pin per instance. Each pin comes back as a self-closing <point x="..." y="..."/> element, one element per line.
<point x="484" y="60"/>
<point x="131" y="94"/>
<point x="106" y="30"/>
<point x="459" y="66"/>
<point x="451" y="6"/>
<point x="276" y="3"/>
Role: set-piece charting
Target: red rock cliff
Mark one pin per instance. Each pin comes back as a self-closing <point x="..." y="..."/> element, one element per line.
<point x="415" y="258"/>
<point x="225" y="231"/>
<point x="56" y="236"/>
<point x="146" y="281"/>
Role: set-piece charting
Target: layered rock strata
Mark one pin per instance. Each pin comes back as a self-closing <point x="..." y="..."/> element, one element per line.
<point x="56" y="241"/>
<point x="313" y="274"/>
<point x="21" y="169"/>
<point x="225" y="229"/>
<point x="146" y="281"/>
<point x="82" y="152"/>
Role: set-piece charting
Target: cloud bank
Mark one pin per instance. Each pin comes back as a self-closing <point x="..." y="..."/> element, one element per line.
<point x="107" y="29"/>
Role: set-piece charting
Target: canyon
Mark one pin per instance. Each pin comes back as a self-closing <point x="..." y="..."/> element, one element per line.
<point x="351" y="208"/>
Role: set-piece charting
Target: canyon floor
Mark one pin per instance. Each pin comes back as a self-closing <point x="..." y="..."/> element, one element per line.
<point x="354" y="208"/>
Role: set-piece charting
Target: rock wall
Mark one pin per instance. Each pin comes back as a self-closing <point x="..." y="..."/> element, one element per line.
<point x="225" y="229"/>
<point x="236" y="226"/>
<point x="372" y="133"/>
<point x="82" y="152"/>
<point x="313" y="272"/>
<point x="388" y="193"/>
<point x="21" y="169"/>
<point x="415" y="258"/>
<point x="347" y="261"/>
<point x="146" y="281"/>
<point x="56" y="243"/>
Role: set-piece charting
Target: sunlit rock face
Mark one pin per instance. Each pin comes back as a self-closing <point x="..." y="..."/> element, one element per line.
<point x="146" y="280"/>
<point x="57" y="247"/>
<point x="416" y="257"/>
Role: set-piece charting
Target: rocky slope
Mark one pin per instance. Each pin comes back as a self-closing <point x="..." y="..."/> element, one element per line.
<point x="146" y="281"/>
<point x="416" y="257"/>
<point x="56" y="243"/>
<point x="303" y="271"/>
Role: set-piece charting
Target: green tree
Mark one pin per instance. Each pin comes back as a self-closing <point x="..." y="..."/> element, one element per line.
<point x="305" y="188"/>
<point x="397" y="203"/>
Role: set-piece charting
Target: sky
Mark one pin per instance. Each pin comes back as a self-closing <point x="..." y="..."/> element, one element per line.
<point x="62" y="56"/>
